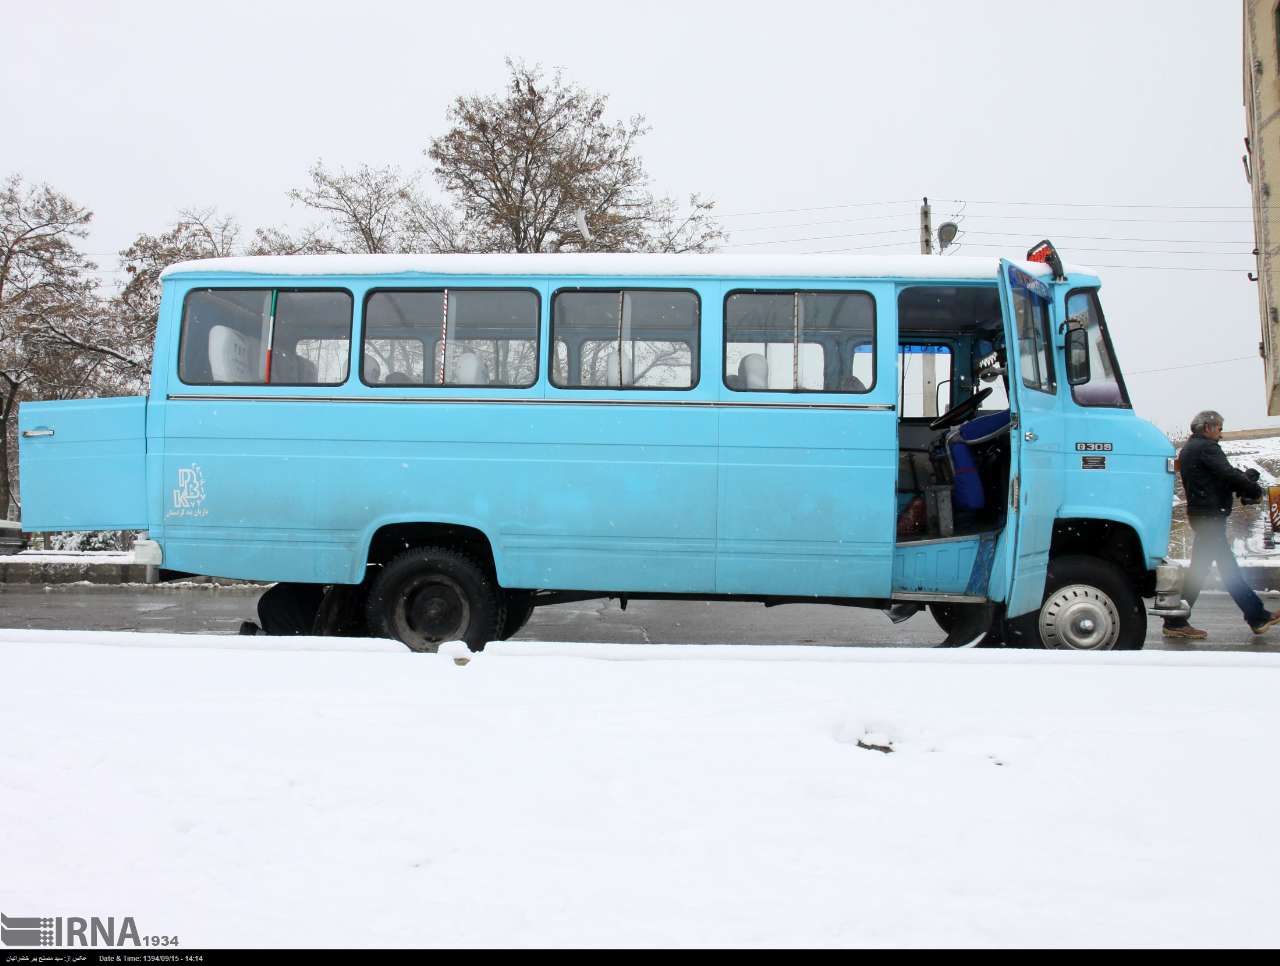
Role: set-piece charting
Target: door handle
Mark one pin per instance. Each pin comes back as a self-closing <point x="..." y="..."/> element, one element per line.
<point x="1029" y="436"/>
<point x="34" y="433"/>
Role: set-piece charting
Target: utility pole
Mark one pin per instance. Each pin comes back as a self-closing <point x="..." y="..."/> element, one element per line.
<point x="928" y="363"/>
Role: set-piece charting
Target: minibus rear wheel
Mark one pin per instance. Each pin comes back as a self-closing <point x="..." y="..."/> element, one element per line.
<point x="1089" y="605"/>
<point x="429" y="595"/>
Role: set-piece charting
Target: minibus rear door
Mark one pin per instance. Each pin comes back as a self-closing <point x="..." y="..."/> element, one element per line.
<point x="1036" y="487"/>
<point x="83" y="464"/>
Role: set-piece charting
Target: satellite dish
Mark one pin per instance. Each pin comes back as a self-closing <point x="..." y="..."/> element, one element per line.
<point x="947" y="232"/>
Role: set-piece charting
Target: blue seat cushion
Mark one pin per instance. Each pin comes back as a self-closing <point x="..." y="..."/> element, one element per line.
<point x="967" y="493"/>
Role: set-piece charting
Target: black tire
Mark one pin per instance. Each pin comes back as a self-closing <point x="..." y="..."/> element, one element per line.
<point x="429" y="595"/>
<point x="519" y="610"/>
<point x="963" y="622"/>
<point x="945" y="615"/>
<point x="1088" y="605"/>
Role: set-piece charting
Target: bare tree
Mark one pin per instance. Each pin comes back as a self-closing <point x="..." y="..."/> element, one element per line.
<point x="521" y="166"/>
<point x="129" y="318"/>
<point x="46" y="287"/>
<point x="367" y="210"/>
<point x="278" y="241"/>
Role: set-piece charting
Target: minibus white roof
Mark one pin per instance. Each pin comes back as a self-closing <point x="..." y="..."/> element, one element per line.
<point x="680" y="266"/>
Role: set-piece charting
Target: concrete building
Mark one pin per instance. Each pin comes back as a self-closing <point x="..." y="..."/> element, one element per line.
<point x="1262" y="167"/>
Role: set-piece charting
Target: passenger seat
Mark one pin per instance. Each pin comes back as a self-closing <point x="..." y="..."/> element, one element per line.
<point x="233" y="357"/>
<point x="753" y="371"/>
<point x="611" y="373"/>
<point x="470" y="370"/>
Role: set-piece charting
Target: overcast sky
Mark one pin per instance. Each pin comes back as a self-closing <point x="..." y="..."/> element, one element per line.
<point x="137" y="110"/>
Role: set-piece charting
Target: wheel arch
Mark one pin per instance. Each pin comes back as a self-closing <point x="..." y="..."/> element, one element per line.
<point x="389" y="536"/>
<point x="1111" y="537"/>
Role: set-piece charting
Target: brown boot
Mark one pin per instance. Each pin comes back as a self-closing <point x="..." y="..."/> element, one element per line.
<point x="1186" y="633"/>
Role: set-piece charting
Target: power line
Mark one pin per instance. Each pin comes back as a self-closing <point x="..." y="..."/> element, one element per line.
<point x="979" y="216"/>
<point x="792" y="211"/>
<point x="1154" y="268"/>
<point x="1158" y="221"/>
<point x="1169" y="241"/>
<point x="1192" y="365"/>
<point x="1132" y="251"/>
<point x="1135" y="251"/>
<point x="1122" y="205"/>
<point x="816" y="224"/>
<point x="856" y="234"/>
<point x="1093" y="204"/>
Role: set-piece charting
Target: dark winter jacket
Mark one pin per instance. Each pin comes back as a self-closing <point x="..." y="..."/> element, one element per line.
<point x="1210" y="481"/>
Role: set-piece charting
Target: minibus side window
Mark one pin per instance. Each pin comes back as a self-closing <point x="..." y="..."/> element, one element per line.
<point x="451" y="337"/>
<point x="256" y="337"/>
<point x="1032" y="324"/>
<point x="1106" y="385"/>
<point x="625" y="339"/>
<point x="225" y="337"/>
<point x="311" y="339"/>
<point x="799" y="342"/>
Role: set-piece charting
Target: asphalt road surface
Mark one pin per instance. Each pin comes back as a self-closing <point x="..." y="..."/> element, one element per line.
<point x="220" y="610"/>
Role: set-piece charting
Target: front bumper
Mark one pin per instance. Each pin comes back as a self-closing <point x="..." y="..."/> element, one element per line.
<point x="1168" y="597"/>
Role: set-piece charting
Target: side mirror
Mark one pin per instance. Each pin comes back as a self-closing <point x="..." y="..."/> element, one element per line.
<point x="1077" y="357"/>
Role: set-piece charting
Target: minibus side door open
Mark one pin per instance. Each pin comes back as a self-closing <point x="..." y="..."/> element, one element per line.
<point x="83" y="464"/>
<point x="1036" y="487"/>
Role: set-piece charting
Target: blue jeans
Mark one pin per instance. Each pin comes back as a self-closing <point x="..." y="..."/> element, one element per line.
<point x="1212" y="547"/>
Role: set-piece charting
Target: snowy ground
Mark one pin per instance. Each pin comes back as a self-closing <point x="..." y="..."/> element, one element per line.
<point x="251" y="791"/>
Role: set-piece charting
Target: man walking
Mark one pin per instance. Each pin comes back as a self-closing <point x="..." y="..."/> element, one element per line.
<point x="1211" y="484"/>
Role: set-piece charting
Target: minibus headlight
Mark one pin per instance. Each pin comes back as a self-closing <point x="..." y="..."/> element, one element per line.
<point x="1169" y="464"/>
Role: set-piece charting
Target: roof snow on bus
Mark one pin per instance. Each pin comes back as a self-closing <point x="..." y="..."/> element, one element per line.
<point x="612" y="265"/>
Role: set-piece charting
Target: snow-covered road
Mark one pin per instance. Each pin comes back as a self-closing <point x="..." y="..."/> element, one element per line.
<point x="348" y="793"/>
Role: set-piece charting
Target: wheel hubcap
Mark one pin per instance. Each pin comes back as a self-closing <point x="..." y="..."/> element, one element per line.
<point x="434" y="610"/>
<point x="1080" y="617"/>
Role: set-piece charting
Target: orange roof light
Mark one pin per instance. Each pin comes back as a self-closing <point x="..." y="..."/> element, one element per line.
<point x="1044" y="253"/>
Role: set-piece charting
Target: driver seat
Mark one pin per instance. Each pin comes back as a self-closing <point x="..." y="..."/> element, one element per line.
<point x="967" y="491"/>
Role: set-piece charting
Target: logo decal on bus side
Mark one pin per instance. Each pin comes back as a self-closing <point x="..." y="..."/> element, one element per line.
<point x="188" y="497"/>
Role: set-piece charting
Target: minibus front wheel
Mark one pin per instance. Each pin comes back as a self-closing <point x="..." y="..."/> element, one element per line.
<point x="1089" y="605"/>
<point x="429" y="595"/>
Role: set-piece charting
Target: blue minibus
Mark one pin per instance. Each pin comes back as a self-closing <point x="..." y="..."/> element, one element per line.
<point x="427" y="447"/>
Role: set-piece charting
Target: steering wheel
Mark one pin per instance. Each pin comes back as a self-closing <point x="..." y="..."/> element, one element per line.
<point x="960" y="413"/>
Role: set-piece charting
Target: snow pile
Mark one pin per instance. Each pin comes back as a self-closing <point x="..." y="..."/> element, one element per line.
<point x="234" y="793"/>
<point x="1263" y="455"/>
<point x="79" y="558"/>
<point x="1249" y="524"/>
